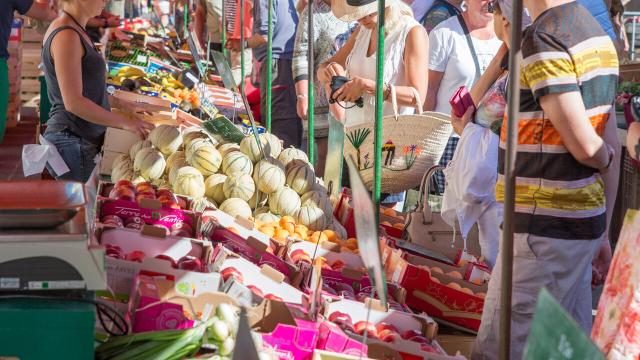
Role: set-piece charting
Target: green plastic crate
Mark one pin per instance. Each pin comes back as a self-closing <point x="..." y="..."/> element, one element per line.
<point x="44" y="329"/>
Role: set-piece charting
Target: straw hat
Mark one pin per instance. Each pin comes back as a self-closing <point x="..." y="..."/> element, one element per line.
<point x="353" y="10"/>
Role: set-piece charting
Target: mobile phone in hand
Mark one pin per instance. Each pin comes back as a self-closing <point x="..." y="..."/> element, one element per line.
<point x="461" y="101"/>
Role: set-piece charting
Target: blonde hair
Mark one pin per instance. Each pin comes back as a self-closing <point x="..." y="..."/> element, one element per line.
<point x="394" y="14"/>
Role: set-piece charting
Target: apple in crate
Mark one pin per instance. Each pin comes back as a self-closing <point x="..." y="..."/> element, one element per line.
<point x="229" y="272"/>
<point x="338" y="265"/>
<point x="145" y="195"/>
<point x="113" y="251"/>
<point x="168" y="258"/>
<point x="300" y="256"/>
<point x="364" y="326"/>
<point x="273" y="297"/>
<point x="145" y="186"/>
<point x="136" y="256"/>
<point x="125" y="183"/>
<point x="255" y="290"/>
<point x="388" y="336"/>
<point x="410" y="334"/>
<point x="190" y="263"/>
<point x="122" y="193"/>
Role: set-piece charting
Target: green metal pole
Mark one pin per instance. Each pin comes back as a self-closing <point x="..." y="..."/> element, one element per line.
<point x="269" y="65"/>
<point x="185" y="14"/>
<point x="377" y="144"/>
<point x="311" y="137"/>
<point x="223" y="36"/>
<point x="242" y="48"/>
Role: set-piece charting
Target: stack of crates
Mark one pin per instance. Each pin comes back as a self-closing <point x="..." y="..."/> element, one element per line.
<point x="31" y="59"/>
<point x="15" y="73"/>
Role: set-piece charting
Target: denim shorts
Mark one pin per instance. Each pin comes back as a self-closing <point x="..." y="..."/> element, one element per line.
<point x="78" y="153"/>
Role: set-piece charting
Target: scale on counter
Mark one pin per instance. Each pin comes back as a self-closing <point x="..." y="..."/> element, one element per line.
<point x="44" y="239"/>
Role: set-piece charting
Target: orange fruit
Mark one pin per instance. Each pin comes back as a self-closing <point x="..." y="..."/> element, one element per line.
<point x="269" y="231"/>
<point x="317" y="237"/>
<point x="273" y="224"/>
<point x="436" y="269"/>
<point x="287" y="219"/>
<point x="352" y="243"/>
<point x="455" y="286"/>
<point x="477" y="282"/>
<point x="455" y="274"/>
<point x="290" y="227"/>
<point x="281" y="234"/>
<point x="399" y="226"/>
<point x="301" y="229"/>
<point x="481" y="295"/>
<point x="331" y="236"/>
<point x="300" y="236"/>
<point x="467" y="291"/>
<point x="386" y="223"/>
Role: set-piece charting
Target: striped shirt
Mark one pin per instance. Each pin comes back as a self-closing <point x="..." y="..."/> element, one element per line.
<point x="564" y="50"/>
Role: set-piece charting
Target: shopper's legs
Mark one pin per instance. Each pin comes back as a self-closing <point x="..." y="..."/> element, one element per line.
<point x="4" y="96"/>
<point x="560" y="266"/>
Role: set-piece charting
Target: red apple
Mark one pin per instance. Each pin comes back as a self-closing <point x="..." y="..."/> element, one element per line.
<point x="144" y="186"/>
<point x="229" y="272"/>
<point x="419" y="339"/>
<point x="168" y="258"/>
<point x="165" y="192"/>
<point x="385" y="326"/>
<point x="168" y="201"/>
<point x="110" y="252"/>
<point x="337" y="315"/>
<point x="411" y="333"/>
<point x="300" y="256"/>
<point x="364" y="326"/>
<point x="273" y="297"/>
<point x="338" y="265"/>
<point x="255" y="290"/>
<point x="125" y="183"/>
<point x="190" y="263"/>
<point x="122" y="193"/>
<point x="388" y="336"/>
<point x="136" y="256"/>
<point x="428" y="348"/>
<point x="134" y="220"/>
<point x="182" y="203"/>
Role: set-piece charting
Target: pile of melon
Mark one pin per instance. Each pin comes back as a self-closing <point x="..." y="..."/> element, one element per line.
<point x="234" y="177"/>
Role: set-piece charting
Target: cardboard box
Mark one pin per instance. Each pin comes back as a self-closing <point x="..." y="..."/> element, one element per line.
<point x="213" y="219"/>
<point x="432" y="292"/>
<point x="118" y="141"/>
<point x="121" y="274"/>
<point x="333" y="339"/>
<point x="265" y="278"/>
<point x="153" y="242"/>
<point x="144" y="102"/>
<point x="149" y="211"/>
<point x="328" y="355"/>
<point x="459" y="343"/>
<point x="176" y="310"/>
<point x="343" y="211"/>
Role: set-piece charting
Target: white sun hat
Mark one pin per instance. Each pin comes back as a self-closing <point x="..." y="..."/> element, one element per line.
<point x="353" y="10"/>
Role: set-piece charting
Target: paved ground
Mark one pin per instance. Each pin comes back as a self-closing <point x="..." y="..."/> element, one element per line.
<point x="11" y="147"/>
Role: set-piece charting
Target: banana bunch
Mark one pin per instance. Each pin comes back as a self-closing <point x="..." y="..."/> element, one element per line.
<point x="171" y="83"/>
<point x="129" y="72"/>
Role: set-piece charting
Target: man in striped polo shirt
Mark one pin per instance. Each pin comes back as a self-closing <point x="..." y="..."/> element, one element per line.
<point x="569" y="76"/>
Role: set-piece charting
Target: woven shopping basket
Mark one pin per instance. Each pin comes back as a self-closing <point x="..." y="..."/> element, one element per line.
<point x="411" y="145"/>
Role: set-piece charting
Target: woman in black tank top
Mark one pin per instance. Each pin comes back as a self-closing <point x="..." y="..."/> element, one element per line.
<point x="75" y="72"/>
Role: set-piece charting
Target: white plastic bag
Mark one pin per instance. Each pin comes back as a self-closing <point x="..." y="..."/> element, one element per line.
<point x="35" y="157"/>
<point x="471" y="177"/>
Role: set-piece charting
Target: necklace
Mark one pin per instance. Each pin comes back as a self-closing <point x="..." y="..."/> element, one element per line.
<point x="83" y="29"/>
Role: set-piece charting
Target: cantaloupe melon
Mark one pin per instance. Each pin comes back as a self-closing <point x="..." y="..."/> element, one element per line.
<point x="195" y="145"/>
<point x="253" y="202"/>
<point x="249" y="147"/>
<point x="190" y="134"/>
<point x="227" y="148"/>
<point x="206" y="159"/>
<point x="139" y="145"/>
<point x="292" y="153"/>
<point x="189" y="182"/>
<point x="284" y="202"/>
<point x="236" y="207"/>
<point x="300" y="178"/>
<point x="321" y="200"/>
<point x="239" y="186"/>
<point x="312" y="217"/>
<point x="150" y="163"/>
<point x="269" y="175"/>
<point x="166" y="138"/>
<point x="236" y="162"/>
<point x="274" y="145"/>
<point x="267" y="217"/>
<point x="213" y="188"/>
<point x="172" y="158"/>
<point x="176" y="165"/>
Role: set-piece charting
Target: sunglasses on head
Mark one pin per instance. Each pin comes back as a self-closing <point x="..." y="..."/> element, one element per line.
<point x="491" y="6"/>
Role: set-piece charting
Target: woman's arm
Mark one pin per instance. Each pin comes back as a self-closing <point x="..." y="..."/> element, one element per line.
<point x="489" y="76"/>
<point x="67" y="53"/>
<point x="435" y="78"/>
<point x="335" y="65"/>
<point x="416" y="66"/>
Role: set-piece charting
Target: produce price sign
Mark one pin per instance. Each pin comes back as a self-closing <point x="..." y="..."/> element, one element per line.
<point x="367" y="232"/>
<point x="555" y="335"/>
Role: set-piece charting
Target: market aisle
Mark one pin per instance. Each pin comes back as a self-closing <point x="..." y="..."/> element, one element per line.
<point x="11" y="147"/>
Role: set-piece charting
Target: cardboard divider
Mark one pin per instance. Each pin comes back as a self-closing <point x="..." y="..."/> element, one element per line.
<point x="153" y="241"/>
<point x="268" y="281"/>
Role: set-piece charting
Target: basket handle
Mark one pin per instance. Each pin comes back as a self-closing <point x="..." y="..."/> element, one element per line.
<point x="423" y="198"/>
<point x="394" y="100"/>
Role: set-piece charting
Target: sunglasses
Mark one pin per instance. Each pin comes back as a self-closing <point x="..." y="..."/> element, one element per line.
<point x="491" y="6"/>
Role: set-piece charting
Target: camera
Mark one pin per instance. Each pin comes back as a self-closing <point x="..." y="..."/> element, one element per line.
<point x="336" y="83"/>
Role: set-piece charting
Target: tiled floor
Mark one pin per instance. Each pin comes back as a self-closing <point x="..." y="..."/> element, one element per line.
<point x="11" y="147"/>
